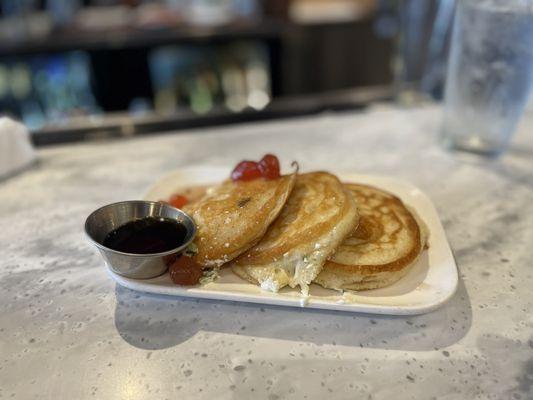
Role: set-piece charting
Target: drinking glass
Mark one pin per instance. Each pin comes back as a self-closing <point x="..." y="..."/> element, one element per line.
<point x="489" y="75"/>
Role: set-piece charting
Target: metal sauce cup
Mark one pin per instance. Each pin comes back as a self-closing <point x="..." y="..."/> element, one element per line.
<point x="139" y="266"/>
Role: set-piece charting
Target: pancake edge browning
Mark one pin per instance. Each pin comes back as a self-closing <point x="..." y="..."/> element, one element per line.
<point x="340" y="276"/>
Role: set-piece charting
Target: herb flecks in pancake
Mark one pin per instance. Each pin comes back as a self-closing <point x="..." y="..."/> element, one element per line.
<point x="242" y="202"/>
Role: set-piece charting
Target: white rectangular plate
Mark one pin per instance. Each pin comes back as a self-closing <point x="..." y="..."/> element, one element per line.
<point x="428" y="285"/>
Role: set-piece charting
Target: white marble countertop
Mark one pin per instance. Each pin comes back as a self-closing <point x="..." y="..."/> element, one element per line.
<point x="68" y="332"/>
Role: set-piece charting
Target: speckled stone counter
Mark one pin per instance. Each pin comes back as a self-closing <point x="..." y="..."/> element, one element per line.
<point x="68" y="332"/>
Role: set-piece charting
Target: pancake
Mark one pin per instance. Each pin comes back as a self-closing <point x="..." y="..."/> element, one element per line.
<point x="381" y="250"/>
<point x="233" y="216"/>
<point x="317" y="217"/>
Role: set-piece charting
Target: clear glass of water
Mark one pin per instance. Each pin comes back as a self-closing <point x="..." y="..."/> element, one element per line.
<point x="490" y="70"/>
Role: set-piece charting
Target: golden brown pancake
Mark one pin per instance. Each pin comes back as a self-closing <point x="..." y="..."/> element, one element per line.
<point x="232" y="217"/>
<point x="317" y="217"/>
<point x="381" y="250"/>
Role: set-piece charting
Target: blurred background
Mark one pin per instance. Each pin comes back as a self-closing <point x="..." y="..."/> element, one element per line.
<point x="82" y="69"/>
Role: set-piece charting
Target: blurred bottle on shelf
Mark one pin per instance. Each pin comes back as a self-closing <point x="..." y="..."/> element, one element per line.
<point x="140" y="106"/>
<point x="234" y="77"/>
<point x="246" y="76"/>
<point x="47" y="88"/>
<point x="422" y="32"/>
<point x="234" y="86"/>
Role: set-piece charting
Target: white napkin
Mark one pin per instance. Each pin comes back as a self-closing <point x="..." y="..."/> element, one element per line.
<point x="16" y="149"/>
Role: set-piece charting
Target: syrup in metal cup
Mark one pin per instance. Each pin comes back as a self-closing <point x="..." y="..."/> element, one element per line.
<point x="132" y="264"/>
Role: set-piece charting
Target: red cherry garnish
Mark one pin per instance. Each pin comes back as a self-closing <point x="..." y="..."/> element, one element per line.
<point x="178" y="200"/>
<point x="185" y="271"/>
<point x="269" y="166"/>
<point x="246" y="171"/>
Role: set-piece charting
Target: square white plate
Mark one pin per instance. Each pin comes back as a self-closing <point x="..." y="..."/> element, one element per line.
<point x="428" y="285"/>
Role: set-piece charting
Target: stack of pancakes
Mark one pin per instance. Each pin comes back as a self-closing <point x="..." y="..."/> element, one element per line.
<point x="304" y="228"/>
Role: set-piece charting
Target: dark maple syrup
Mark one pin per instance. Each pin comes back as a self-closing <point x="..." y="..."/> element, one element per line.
<point x="147" y="236"/>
